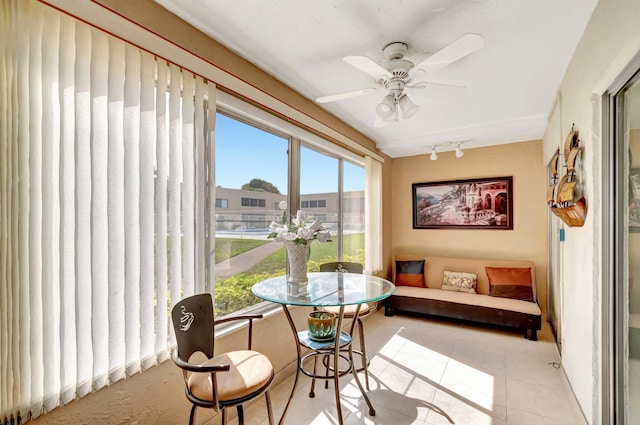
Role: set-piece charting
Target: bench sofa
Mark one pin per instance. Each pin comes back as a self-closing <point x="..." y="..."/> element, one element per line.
<point x="481" y="307"/>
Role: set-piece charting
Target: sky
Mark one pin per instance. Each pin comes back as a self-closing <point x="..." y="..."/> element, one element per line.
<point x="244" y="152"/>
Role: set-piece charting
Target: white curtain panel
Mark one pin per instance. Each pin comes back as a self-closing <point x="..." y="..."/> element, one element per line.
<point x="106" y="180"/>
<point x="373" y="215"/>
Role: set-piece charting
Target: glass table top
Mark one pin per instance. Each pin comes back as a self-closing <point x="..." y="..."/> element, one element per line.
<point x="325" y="289"/>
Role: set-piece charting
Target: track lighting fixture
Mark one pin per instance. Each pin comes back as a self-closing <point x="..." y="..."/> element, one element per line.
<point x="434" y="154"/>
<point x="458" y="150"/>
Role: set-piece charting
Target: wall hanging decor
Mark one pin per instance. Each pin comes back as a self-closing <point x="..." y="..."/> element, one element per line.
<point x="464" y="204"/>
<point x="562" y="194"/>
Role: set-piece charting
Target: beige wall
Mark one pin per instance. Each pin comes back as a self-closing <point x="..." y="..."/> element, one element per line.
<point x="527" y="240"/>
<point x="610" y="41"/>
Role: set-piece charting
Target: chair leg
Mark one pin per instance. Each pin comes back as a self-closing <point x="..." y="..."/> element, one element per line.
<point x="192" y="415"/>
<point x="364" y="354"/>
<point x="240" y="414"/>
<point x="269" y="409"/>
<point x="224" y="416"/>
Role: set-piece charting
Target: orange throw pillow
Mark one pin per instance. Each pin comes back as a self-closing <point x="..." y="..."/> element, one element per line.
<point x="510" y="282"/>
<point x="410" y="273"/>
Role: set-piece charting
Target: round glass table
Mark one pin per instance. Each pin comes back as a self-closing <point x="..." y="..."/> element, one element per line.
<point x="324" y="290"/>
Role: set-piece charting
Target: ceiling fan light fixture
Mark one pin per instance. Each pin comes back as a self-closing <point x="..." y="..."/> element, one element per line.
<point x="459" y="153"/>
<point x="386" y="108"/>
<point x="391" y="118"/>
<point x="409" y="109"/>
<point x="434" y="154"/>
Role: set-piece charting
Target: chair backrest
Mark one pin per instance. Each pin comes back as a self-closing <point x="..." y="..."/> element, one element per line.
<point x="192" y="319"/>
<point x="342" y="266"/>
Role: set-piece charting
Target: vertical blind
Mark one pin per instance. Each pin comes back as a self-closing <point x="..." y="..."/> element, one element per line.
<point x="106" y="177"/>
<point x="373" y="215"/>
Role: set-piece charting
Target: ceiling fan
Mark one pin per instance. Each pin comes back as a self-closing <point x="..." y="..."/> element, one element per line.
<point x="398" y="75"/>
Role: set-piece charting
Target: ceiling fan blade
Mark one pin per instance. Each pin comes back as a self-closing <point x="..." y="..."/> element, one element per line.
<point x="427" y="88"/>
<point x="460" y="48"/>
<point x="419" y="85"/>
<point x="345" y="95"/>
<point x="367" y="65"/>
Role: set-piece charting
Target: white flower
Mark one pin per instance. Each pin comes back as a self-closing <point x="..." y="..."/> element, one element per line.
<point x="301" y="216"/>
<point x="323" y="236"/>
<point x="299" y="231"/>
<point x="315" y="225"/>
<point x="305" y="233"/>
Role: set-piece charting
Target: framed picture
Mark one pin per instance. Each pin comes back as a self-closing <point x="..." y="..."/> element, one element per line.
<point x="634" y="200"/>
<point x="464" y="204"/>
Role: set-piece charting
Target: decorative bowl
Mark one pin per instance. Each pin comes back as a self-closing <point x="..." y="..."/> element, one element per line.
<point x="321" y="325"/>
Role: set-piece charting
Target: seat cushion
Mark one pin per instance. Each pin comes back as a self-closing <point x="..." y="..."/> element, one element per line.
<point x="249" y="372"/>
<point x="520" y="306"/>
<point x="350" y="310"/>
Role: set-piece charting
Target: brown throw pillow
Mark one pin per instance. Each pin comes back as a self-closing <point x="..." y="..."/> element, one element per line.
<point x="510" y="282"/>
<point x="410" y="273"/>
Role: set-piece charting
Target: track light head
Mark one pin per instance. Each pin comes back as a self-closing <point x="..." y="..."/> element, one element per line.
<point x="434" y="154"/>
<point x="458" y="151"/>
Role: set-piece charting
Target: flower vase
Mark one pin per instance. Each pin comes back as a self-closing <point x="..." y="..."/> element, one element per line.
<point x="297" y="255"/>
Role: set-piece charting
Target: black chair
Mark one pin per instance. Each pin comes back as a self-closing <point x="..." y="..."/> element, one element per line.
<point x="221" y="381"/>
<point x="350" y="310"/>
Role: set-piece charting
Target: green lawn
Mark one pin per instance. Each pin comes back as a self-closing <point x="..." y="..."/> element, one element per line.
<point x="234" y="293"/>
<point x="320" y="253"/>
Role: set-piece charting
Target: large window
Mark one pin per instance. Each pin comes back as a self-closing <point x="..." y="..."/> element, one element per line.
<point x="353" y="216"/>
<point x="253" y="168"/>
<point x="332" y="189"/>
<point x="252" y="173"/>
<point x="319" y="177"/>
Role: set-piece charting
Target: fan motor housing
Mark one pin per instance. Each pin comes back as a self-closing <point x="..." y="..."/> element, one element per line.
<point x="395" y="62"/>
<point x="394" y="50"/>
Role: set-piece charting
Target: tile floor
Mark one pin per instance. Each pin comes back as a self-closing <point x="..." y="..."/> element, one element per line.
<point x="435" y="372"/>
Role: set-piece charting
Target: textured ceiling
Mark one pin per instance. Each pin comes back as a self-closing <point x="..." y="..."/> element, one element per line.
<point x="508" y="85"/>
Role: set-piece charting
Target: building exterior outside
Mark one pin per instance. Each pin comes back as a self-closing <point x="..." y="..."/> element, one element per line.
<point x="248" y="211"/>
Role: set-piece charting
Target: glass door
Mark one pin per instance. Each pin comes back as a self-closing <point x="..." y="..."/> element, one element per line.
<point x="626" y="290"/>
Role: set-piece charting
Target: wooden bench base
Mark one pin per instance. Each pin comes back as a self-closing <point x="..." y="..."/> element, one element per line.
<point x="527" y="323"/>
